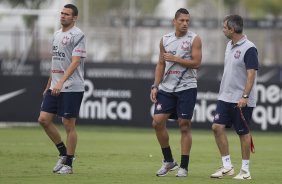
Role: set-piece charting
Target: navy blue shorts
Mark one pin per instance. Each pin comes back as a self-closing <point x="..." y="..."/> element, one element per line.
<point x="66" y="105"/>
<point x="178" y="104"/>
<point x="229" y="115"/>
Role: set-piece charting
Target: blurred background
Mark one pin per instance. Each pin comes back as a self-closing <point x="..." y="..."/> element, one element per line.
<point x="130" y="30"/>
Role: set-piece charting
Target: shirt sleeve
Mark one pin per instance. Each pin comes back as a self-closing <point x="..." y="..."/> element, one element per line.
<point x="251" y="58"/>
<point x="79" y="46"/>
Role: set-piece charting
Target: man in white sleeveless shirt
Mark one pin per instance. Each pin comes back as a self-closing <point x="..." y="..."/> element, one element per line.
<point x="174" y="91"/>
<point x="237" y="96"/>
<point x="65" y="87"/>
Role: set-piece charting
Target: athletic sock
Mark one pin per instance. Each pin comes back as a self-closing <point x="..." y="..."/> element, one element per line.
<point x="245" y="165"/>
<point x="69" y="160"/>
<point x="167" y="154"/>
<point x="226" y="161"/>
<point x="184" y="162"/>
<point x="62" y="149"/>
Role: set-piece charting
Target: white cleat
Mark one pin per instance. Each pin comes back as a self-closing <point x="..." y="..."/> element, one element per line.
<point x="65" y="170"/>
<point x="60" y="163"/>
<point x="182" y="172"/>
<point x="166" y="167"/>
<point x="243" y="175"/>
<point x="223" y="172"/>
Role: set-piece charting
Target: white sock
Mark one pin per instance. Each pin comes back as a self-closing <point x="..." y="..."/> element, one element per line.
<point x="245" y="165"/>
<point x="226" y="161"/>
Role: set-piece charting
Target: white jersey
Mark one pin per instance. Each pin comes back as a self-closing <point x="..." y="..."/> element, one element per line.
<point x="235" y="73"/>
<point x="178" y="77"/>
<point x="65" y="45"/>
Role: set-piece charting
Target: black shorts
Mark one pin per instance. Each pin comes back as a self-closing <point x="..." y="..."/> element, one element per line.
<point x="178" y="104"/>
<point x="66" y="105"/>
<point x="228" y="114"/>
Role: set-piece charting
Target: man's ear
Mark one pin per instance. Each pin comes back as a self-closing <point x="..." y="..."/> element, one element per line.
<point x="74" y="18"/>
<point x="232" y="30"/>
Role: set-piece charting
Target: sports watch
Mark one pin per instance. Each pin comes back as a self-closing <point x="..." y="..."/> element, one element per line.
<point x="154" y="86"/>
<point x="245" y="96"/>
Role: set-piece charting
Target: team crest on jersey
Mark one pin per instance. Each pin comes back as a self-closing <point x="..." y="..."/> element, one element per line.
<point x="159" y="107"/>
<point x="186" y="46"/>
<point x="65" y="40"/>
<point x="237" y="54"/>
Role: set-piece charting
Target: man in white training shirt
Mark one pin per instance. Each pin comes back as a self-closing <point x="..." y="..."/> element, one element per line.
<point x="237" y="96"/>
<point x="174" y="91"/>
<point x="65" y="87"/>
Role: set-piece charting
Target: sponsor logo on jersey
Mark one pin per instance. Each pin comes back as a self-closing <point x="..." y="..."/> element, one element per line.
<point x="80" y="51"/>
<point x="172" y="72"/>
<point x="57" y="71"/>
<point x="57" y="53"/>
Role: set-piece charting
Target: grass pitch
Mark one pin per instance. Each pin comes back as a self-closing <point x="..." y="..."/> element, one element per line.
<point x="129" y="155"/>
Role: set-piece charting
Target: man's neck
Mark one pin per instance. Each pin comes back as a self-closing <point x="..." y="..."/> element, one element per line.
<point x="236" y="38"/>
<point x="66" y="28"/>
<point x="180" y="34"/>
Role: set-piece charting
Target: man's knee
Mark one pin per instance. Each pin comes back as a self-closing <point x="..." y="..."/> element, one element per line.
<point x="157" y="125"/>
<point x="216" y="128"/>
<point x="69" y="124"/>
<point x="43" y="121"/>
<point x="159" y="121"/>
<point x="184" y="125"/>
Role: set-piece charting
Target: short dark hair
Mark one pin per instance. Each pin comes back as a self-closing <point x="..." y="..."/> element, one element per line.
<point x="74" y="9"/>
<point x="181" y="11"/>
<point x="235" y="22"/>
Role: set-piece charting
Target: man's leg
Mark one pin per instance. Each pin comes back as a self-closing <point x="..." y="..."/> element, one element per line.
<point x="159" y="124"/>
<point x="69" y="124"/>
<point x="222" y="144"/>
<point x="186" y="136"/>
<point x="186" y="144"/>
<point x="245" y="149"/>
<point x="245" y="141"/>
<point x="46" y="121"/>
<point x="245" y="146"/>
<point x="242" y="129"/>
<point x="221" y="139"/>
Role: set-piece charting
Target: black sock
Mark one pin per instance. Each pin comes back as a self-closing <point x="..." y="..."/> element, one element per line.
<point x="62" y="149"/>
<point x="167" y="154"/>
<point x="184" y="161"/>
<point x="69" y="160"/>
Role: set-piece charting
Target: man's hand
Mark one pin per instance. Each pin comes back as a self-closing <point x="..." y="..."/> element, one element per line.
<point x="153" y="95"/>
<point x="242" y="102"/>
<point x="57" y="89"/>
<point x="169" y="57"/>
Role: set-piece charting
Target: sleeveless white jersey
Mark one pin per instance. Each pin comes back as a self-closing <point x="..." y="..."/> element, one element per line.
<point x="178" y="77"/>
<point x="65" y="45"/>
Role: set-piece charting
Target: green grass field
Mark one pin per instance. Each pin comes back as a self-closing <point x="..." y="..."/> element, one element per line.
<point x="129" y="155"/>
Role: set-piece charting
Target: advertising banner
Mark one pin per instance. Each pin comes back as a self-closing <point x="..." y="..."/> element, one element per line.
<point x="118" y="94"/>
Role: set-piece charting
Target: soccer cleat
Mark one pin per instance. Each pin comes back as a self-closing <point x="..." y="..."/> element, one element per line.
<point x="223" y="172"/>
<point x="65" y="170"/>
<point x="182" y="172"/>
<point x="243" y="175"/>
<point x="60" y="163"/>
<point x="166" y="167"/>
